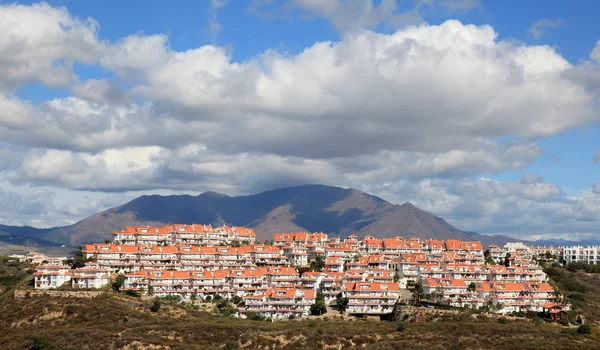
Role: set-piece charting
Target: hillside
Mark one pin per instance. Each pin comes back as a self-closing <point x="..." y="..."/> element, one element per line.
<point x="113" y="321"/>
<point x="311" y="208"/>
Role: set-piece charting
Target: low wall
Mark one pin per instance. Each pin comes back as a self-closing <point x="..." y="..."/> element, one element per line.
<point x="26" y="293"/>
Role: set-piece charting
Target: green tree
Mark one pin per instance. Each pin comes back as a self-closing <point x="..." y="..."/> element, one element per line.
<point x="341" y="302"/>
<point x="150" y="291"/>
<point x="118" y="283"/>
<point x="318" y="308"/>
<point x="236" y="243"/>
<point x="236" y="300"/>
<point x="418" y="293"/>
<point x="507" y="260"/>
<point x="156" y="306"/>
<point x="318" y="264"/>
<point x="472" y="287"/>
<point x="78" y="261"/>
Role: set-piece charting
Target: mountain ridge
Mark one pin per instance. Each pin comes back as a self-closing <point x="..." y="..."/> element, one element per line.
<point x="333" y="210"/>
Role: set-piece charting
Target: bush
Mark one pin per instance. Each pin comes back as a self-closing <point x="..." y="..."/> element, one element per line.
<point x="172" y="298"/>
<point x="236" y="299"/>
<point x="232" y="345"/>
<point x="39" y="343"/>
<point x="156" y="306"/>
<point x="133" y="293"/>
<point x="502" y="320"/>
<point x="400" y="326"/>
<point x="577" y="296"/>
<point x="584" y="329"/>
<point x="570" y="331"/>
<point x="255" y="316"/>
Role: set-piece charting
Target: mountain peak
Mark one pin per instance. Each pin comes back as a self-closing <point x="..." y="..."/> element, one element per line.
<point x="409" y="205"/>
<point x="333" y="210"/>
<point x="213" y="194"/>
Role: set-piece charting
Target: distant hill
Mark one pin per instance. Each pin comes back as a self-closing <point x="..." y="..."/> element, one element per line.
<point x="24" y="231"/>
<point x="333" y="210"/>
<point x="559" y="242"/>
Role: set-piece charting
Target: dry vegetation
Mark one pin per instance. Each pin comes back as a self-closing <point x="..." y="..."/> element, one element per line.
<point x="582" y="289"/>
<point x="115" y="321"/>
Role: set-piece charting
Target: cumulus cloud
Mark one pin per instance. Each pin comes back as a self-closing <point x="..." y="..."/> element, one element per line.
<point x="423" y="102"/>
<point x="196" y="167"/>
<point x="40" y="207"/>
<point x="40" y="43"/>
<point x="542" y="27"/>
<point x="418" y="89"/>
<point x="348" y="16"/>
<point x="215" y="25"/>
<point x="519" y="209"/>
<point x="595" y="54"/>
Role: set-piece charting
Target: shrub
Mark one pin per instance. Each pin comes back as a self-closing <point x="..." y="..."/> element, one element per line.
<point x="70" y="309"/>
<point x="502" y="320"/>
<point x="577" y="296"/>
<point x="208" y="299"/>
<point x="232" y="345"/>
<point x="156" y="306"/>
<point x="255" y="316"/>
<point x="400" y="326"/>
<point x="563" y="322"/>
<point x="236" y="299"/>
<point x="172" y="298"/>
<point x="584" y="329"/>
<point x="39" y="342"/>
<point x="133" y="293"/>
<point x="570" y="331"/>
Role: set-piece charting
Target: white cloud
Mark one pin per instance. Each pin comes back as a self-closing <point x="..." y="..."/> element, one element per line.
<point x="595" y="54"/>
<point x="421" y="88"/>
<point x="424" y="102"/>
<point x="348" y="16"/>
<point x="197" y="167"/>
<point x="215" y="25"/>
<point x="542" y="27"/>
<point x="502" y="207"/>
<point x="40" y="43"/>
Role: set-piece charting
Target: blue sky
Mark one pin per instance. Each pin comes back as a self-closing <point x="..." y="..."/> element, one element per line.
<point x="232" y="78"/>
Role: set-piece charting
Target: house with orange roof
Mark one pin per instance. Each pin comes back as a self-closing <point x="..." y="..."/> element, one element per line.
<point x="279" y="303"/>
<point x="90" y="276"/>
<point x="51" y="276"/>
<point x="296" y="254"/>
<point x="371" y="298"/>
<point x="331" y="285"/>
<point x="335" y="264"/>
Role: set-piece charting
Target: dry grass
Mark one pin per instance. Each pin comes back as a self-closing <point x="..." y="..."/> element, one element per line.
<point x="114" y="322"/>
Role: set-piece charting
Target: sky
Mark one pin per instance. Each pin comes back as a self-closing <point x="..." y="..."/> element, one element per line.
<point x="485" y="113"/>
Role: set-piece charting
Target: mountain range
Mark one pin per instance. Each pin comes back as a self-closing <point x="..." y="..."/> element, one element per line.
<point x="312" y="208"/>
